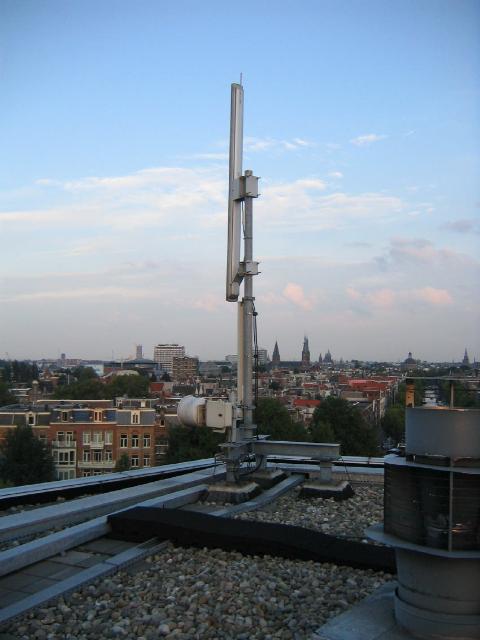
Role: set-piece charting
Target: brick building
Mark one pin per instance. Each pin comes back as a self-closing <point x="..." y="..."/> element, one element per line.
<point x="89" y="437"/>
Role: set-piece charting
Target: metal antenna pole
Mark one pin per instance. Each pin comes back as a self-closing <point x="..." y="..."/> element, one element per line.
<point x="242" y="189"/>
<point x="248" y="318"/>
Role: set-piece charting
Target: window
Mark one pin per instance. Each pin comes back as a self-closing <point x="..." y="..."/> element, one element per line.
<point x="86" y="437"/>
<point x="43" y="438"/>
<point x="146" y="440"/>
<point x="146" y="461"/>
<point x="134" y="461"/>
<point x="86" y="474"/>
<point x="108" y="456"/>
<point x="97" y="456"/>
<point x="69" y="437"/>
<point x="135" y="440"/>
<point x="66" y="457"/>
<point x="108" y="437"/>
<point x="124" y="441"/>
<point x="97" y="437"/>
<point x="162" y="422"/>
<point x="64" y="416"/>
<point x="135" y="417"/>
<point x="60" y="436"/>
<point x="97" y="416"/>
<point x="31" y="419"/>
<point x="86" y="456"/>
<point x="65" y="474"/>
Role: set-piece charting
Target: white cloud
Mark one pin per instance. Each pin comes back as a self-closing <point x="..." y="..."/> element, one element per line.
<point x="70" y="294"/>
<point x="161" y="197"/>
<point x="295" y="293"/>
<point x="464" y="225"/>
<point x="336" y="174"/>
<point x="263" y="144"/>
<point x="367" y="139"/>
<point x="386" y="298"/>
<point x="433" y="296"/>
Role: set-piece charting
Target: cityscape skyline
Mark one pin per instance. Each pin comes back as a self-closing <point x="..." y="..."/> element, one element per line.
<point x="267" y="354"/>
<point x="113" y="180"/>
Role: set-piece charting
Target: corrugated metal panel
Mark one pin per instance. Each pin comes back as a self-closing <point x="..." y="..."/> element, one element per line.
<point x="417" y="507"/>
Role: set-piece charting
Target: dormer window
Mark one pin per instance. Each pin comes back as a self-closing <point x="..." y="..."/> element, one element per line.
<point x="135" y="417"/>
<point x="31" y="419"/>
<point x="64" y="416"/>
<point x="97" y="415"/>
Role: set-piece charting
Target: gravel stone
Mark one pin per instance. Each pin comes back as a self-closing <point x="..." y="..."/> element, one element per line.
<point x="202" y="594"/>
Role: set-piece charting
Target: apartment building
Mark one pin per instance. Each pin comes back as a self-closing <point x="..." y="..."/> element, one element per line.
<point x="89" y="437"/>
<point x="184" y="368"/>
<point x="163" y="354"/>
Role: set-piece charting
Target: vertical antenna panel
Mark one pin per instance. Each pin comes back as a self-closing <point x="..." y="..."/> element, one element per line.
<point x="234" y="206"/>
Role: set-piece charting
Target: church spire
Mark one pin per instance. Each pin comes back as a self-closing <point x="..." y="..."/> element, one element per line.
<point x="276" y="356"/>
<point x="305" y="353"/>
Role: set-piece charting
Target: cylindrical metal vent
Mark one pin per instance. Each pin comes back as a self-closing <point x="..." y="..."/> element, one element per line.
<point x="432" y="517"/>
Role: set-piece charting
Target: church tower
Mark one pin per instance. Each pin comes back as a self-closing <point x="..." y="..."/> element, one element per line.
<point x="275" y="356"/>
<point x="305" y="353"/>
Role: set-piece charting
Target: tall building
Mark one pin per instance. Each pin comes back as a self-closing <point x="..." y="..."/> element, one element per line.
<point x="163" y="354"/>
<point x="305" y="353"/>
<point x="262" y="357"/>
<point x="184" y="368"/>
<point x="138" y="352"/>
<point x="276" y="356"/>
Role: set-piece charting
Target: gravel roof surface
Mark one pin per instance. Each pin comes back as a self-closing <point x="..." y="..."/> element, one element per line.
<point x="346" y="518"/>
<point x="196" y="594"/>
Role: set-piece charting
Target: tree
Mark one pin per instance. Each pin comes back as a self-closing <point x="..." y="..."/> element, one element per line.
<point x="131" y="386"/>
<point x="273" y="419"/>
<point x="462" y="396"/>
<point x="349" y="427"/>
<point x="393" y="423"/>
<point x="84" y="373"/>
<point x="93" y="389"/>
<point x="89" y="388"/>
<point x="5" y="396"/>
<point x="123" y="463"/>
<point x="322" y="432"/>
<point x="192" y="443"/>
<point x="24" y="459"/>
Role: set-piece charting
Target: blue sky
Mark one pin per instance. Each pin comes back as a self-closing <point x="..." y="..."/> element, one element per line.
<point x="362" y="119"/>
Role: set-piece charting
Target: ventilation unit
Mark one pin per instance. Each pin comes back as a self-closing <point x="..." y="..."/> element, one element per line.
<point x="432" y="518"/>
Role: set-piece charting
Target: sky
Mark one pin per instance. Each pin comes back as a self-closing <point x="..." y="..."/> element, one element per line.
<point x="361" y="118"/>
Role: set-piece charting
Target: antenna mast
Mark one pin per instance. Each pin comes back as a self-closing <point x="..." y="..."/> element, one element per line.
<point x="243" y="187"/>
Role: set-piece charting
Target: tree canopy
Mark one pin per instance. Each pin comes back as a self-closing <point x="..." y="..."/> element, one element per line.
<point x="393" y="423"/>
<point x="123" y="463"/>
<point x="93" y="389"/>
<point x="5" y="396"/>
<point x="273" y="419"/>
<point x="192" y="443"/>
<point x="15" y="371"/>
<point x="339" y="417"/>
<point x="24" y="459"/>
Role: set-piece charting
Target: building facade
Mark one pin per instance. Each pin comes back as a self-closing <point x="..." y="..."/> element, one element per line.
<point x="163" y="354"/>
<point x="90" y="437"/>
<point x="184" y="368"/>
